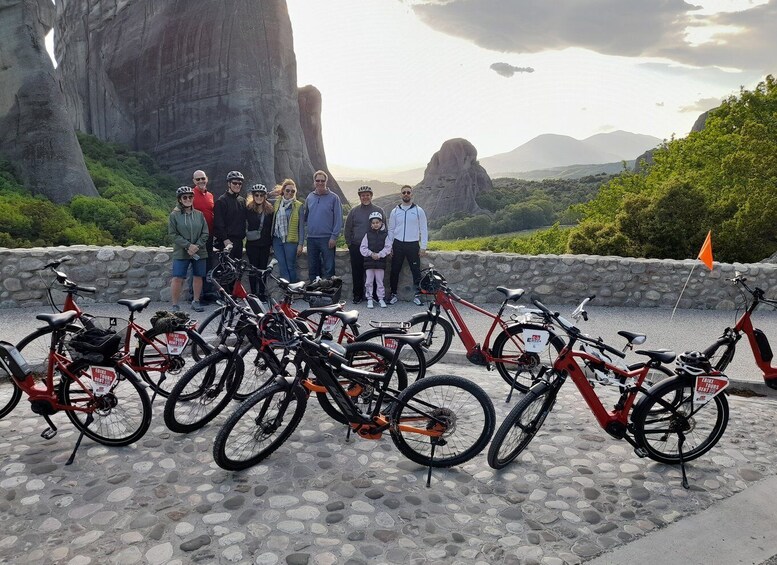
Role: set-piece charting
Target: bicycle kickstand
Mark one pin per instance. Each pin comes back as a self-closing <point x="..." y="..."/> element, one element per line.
<point x="431" y="457"/>
<point x="680" y="442"/>
<point x="89" y="420"/>
<point x="162" y="377"/>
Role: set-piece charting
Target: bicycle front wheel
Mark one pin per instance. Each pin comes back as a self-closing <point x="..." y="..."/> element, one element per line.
<point x="10" y="394"/>
<point x="203" y="392"/>
<point x="720" y="353"/>
<point x="517" y="367"/>
<point x="521" y="425"/>
<point x="210" y="330"/>
<point x="370" y="357"/>
<point x="260" y="370"/>
<point x="120" y="417"/>
<point x="259" y="426"/>
<point x="442" y="421"/>
<point x="438" y="335"/>
<point x="668" y="411"/>
<point x="412" y="356"/>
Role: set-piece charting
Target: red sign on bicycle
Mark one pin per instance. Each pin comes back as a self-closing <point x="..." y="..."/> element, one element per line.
<point x="176" y="342"/>
<point x="708" y="387"/>
<point x="102" y="379"/>
<point x="535" y="340"/>
<point x="330" y="323"/>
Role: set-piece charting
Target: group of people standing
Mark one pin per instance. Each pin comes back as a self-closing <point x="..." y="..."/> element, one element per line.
<point x="277" y="222"/>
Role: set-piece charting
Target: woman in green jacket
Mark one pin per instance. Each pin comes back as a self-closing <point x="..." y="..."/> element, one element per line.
<point x="288" y="230"/>
<point x="189" y="232"/>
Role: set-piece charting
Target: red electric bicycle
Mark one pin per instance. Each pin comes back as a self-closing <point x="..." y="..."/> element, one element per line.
<point x="722" y="351"/>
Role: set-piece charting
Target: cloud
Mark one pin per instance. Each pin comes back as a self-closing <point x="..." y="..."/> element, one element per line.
<point x="631" y="28"/>
<point x="702" y="105"/>
<point x="659" y="104"/>
<point x="508" y="70"/>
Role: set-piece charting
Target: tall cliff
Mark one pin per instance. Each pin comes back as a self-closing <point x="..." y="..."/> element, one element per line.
<point x="36" y="134"/>
<point x="452" y="180"/>
<point x="200" y="84"/>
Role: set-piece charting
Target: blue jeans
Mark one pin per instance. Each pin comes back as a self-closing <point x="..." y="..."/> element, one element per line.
<point x="286" y="255"/>
<point x="321" y="259"/>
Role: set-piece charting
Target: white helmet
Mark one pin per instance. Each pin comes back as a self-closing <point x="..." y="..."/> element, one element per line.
<point x="376" y="216"/>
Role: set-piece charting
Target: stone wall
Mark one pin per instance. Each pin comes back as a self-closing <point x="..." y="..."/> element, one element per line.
<point x="130" y="272"/>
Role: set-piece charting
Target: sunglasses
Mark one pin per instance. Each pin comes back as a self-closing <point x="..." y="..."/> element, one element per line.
<point x="200" y="178"/>
<point x="320" y="180"/>
<point x="406" y="192"/>
<point x="236" y="182"/>
<point x="259" y="194"/>
<point x="288" y="190"/>
<point x="187" y="197"/>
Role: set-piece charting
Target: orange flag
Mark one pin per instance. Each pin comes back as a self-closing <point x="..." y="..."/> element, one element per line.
<point x="705" y="254"/>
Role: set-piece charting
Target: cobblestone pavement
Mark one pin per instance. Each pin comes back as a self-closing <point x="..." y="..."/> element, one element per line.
<point x="575" y="493"/>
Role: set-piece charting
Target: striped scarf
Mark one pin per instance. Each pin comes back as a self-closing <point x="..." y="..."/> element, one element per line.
<point x="282" y="219"/>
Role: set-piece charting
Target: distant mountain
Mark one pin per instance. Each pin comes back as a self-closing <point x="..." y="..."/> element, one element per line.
<point x="550" y="150"/>
<point x="570" y="172"/>
<point x="379" y="188"/>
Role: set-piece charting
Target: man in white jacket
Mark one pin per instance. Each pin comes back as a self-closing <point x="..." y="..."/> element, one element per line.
<point x="407" y="226"/>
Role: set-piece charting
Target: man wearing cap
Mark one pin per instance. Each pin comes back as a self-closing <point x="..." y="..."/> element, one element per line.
<point x="357" y="224"/>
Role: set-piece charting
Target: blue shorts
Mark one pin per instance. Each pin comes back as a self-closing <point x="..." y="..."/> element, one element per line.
<point x="181" y="266"/>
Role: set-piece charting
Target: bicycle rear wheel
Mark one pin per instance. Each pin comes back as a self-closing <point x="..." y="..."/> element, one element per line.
<point x="667" y="411"/>
<point x="203" y="392"/>
<point x="157" y="366"/>
<point x="259" y="426"/>
<point x="35" y="347"/>
<point x="438" y="335"/>
<point x="517" y="367"/>
<point x="720" y="353"/>
<point x="120" y="417"/>
<point x="370" y="357"/>
<point x="442" y="421"/>
<point x="259" y="370"/>
<point x="521" y="425"/>
<point x="210" y="330"/>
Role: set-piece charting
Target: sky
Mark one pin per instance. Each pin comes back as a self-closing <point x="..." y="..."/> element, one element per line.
<point x="400" y="77"/>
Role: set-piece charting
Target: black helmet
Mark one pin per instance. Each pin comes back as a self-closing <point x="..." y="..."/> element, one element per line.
<point x="364" y="188"/>
<point x="183" y="190"/>
<point x="693" y="363"/>
<point x="234" y="175"/>
<point x="431" y="282"/>
<point x="259" y="188"/>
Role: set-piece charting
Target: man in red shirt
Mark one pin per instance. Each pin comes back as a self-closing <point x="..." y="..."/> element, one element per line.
<point x="203" y="201"/>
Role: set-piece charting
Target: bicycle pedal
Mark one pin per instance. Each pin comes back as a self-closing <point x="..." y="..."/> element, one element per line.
<point x="640" y="452"/>
<point x="48" y="433"/>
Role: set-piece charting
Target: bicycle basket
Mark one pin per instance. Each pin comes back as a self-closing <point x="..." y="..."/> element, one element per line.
<point x="431" y="282"/>
<point x="164" y="321"/>
<point x="95" y="345"/>
<point x="330" y="288"/>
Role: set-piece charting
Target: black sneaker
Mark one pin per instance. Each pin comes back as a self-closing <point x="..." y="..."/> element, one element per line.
<point x="357" y="299"/>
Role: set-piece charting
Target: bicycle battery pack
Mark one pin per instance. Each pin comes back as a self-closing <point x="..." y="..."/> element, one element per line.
<point x="763" y="345"/>
<point x="12" y="361"/>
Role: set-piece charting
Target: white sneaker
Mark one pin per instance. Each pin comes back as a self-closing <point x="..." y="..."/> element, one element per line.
<point x="393" y="299"/>
<point x="382" y="303"/>
<point x="417" y="300"/>
<point x="369" y="303"/>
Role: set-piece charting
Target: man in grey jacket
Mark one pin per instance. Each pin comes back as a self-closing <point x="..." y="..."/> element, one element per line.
<point x="356" y="225"/>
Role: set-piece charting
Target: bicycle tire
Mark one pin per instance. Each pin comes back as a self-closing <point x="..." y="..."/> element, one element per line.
<point x="10" y="394"/>
<point x="203" y="392"/>
<point x="655" y="375"/>
<point x="463" y="404"/>
<point x="526" y="365"/>
<point x="434" y="346"/>
<point x="209" y="332"/>
<point x="521" y="425"/>
<point x="35" y="347"/>
<point x="369" y="356"/>
<point x="256" y="421"/>
<point x="129" y="415"/>
<point x="720" y="353"/>
<point x="655" y="421"/>
<point x="257" y="372"/>
<point x="412" y="355"/>
<point x="152" y="352"/>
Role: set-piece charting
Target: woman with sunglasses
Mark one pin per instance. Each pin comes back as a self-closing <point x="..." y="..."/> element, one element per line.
<point x="288" y="230"/>
<point x="259" y="215"/>
<point x="189" y="232"/>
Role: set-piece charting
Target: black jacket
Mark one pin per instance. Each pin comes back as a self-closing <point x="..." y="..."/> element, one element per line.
<point x="229" y="217"/>
<point x="253" y="221"/>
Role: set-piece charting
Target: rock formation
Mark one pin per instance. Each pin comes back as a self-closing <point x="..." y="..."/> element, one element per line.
<point x="452" y="180"/>
<point x="197" y="83"/>
<point x="36" y="135"/>
<point x="310" y="118"/>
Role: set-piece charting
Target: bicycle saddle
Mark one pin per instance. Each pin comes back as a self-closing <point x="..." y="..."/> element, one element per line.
<point x="511" y="293"/>
<point x="411" y="338"/>
<point x="660" y="355"/>
<point x="57" y="320"/>
<point x="632" y="337"/>
<point x="135" y="305"/>
<point x="325" y="310"/>
<point x="349" y="317"/>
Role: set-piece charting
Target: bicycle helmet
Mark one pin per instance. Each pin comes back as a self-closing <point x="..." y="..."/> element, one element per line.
<point x="431" y="282"/>
<point x="183" y="190"/>
<point x="259" y="188"/>
<point x="234" y="175"/>
<point x="364" y="188"/>
<point x="693" y="363"/>
<point x="376" y="216"/>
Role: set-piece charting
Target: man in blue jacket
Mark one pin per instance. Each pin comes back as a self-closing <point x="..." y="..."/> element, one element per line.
<point x="323" y="216"/>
